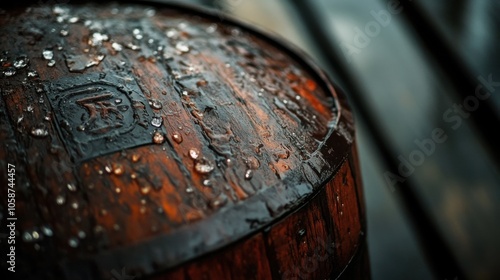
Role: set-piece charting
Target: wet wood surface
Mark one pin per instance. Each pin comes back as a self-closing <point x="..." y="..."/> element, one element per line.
<point x="165" y="141"/>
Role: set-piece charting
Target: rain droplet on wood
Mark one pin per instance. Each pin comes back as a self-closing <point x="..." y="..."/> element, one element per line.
<point x="156" y="121"/>
<point x="177" y="137"/>
<point x="156" y="104"/>
<point x="117" y="47"/>
<point x="194" y="153"/>
<point x="39" y="131"/>
<point x="249" y="174"/>
<point x="21" y="62"/>
<point x="182" y="47"/>
<point x="9" y="72"/>
<point x="48" y="54"/>
<point x="60" y="200"/>
<point x="73" y="242"/>
<point x="158" y="138"/>
<point x="203" y="166"/>
<point x="71" y="187"/>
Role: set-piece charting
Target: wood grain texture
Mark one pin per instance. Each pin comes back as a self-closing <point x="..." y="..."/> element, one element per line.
<point x="149" y="136"/>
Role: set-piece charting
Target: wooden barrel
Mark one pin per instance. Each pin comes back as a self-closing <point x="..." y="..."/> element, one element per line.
<point x="155" y="141"/>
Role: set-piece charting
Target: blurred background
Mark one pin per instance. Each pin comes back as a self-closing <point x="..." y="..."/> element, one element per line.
<point x="421" y="76"/>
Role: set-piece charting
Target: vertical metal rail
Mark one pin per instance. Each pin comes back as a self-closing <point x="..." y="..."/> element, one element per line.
<point x="439" y="255"/>
<point x="486" y="118"/>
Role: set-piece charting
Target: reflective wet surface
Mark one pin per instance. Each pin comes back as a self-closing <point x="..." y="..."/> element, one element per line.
<point x="425" y="120"/>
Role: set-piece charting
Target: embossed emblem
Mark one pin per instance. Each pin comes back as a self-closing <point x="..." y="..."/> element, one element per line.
<point x="97" y="118"/>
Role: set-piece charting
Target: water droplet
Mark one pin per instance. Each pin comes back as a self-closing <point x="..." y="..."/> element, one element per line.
<point x="158" y="138"/>
<point x="118" y="169"/>
<point x="235" y="32"/>
<point x="82" y="234"/>
<point x="39" y="131"/>
<point x="171" y="33"/>
<point x="58" y="10"/>
<point x="47" y="231"/>
<point x="9" y="72"/>
<point x="21" y="62"/>
<point x="35" y="235"/>
<point x="203" y="166"/>
<point x="32" y="74"/>
<point x="177" y="137"/>
<point x="71" y="187"/>
<point x="75" y="205"/>
<point x="60" y="200"/>
<point x="27" y="237"/>
<point x="97" y="38"/>
<point x="194" y="153"/>
<point x="116" y="227"/>
<point x="78" y="63"/>
<point x="118" y="190"/>
<point x="211" y="28"/>
<point x="73" y="242"/>
<point x="145" y="189"/>
<point x="51" y="63"/>
<point x="98" y="229"/>
<point x="156" y="121"/>
<point x="64" y="32"/>
<point x="48" y="54"/>
<point x="156" y="104"/>
<point x="133" y="47"/>
<point x="189" y="190"/>
<point x="252" y="163"/>
<point x="137" y="34"/>
<point x="73" y="19"/>
<point x="219" y="201"/>
<point x="150" y="12"/>
<point x="249" y="174"/>
<point x="117" y="47"/>
<point x="182" y="47"/>
<point x="122" y="108"/>
<point x="207" y="183"/>
<point x="136" y="157"/>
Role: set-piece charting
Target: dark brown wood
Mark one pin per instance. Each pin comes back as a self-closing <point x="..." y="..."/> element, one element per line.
<point x="166" y="142"/>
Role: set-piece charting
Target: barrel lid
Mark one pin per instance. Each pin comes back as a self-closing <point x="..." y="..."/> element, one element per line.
<point x="145" y="135"/>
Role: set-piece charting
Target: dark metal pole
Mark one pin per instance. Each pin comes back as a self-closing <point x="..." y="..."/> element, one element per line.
<point x="439" y="255"/>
